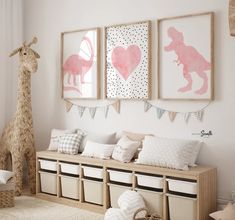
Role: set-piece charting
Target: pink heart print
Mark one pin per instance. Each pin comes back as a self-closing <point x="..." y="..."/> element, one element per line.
<point x="126" y="60"/>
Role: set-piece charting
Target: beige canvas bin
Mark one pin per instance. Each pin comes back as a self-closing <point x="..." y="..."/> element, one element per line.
<point x="70" y="187"/>
<point x="182" y="208"/>
<point x="153" y="200"/>
<point x="69" y="168"/>
<point x="48" y="165"/>
<point x="120" y="176"/>
<point x="114" y="192"/>
<point x="48" y="182"/>
<point x="93" y="191"/>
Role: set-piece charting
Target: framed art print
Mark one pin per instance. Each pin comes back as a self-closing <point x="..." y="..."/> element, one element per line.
<point x="127" y="67"/>
<point x="185" y="57"/>
<point x="80" y="64"/>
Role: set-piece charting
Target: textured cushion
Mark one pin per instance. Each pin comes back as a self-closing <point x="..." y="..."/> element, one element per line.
<point x="227" y="214"/>
<point x="70" y="143"/>
<point x="93" y="149"/>
<point x="98" y="138"/>
<point x="55" y="137"/>
<point x="115" y="214"/>
<point x="5" y="176"/>
<point x="125" y="149"/>
<point x="165" y="152"/>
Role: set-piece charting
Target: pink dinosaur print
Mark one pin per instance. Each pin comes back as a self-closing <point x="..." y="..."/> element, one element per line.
<point x="126" y="60"/>
<point x="191" y="60"/>
<point x="77" y="65"/>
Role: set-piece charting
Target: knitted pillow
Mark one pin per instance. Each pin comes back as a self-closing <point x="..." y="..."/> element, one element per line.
<point x="115" y="214"/>
<point x="227" y="214"/>
<point x="70" y="143"/>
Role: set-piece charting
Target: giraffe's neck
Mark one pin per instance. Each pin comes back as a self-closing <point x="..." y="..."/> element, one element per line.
<point x="24" y="95"/>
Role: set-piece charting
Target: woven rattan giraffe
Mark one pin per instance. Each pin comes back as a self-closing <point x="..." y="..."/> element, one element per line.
<point x="17" y="140"/>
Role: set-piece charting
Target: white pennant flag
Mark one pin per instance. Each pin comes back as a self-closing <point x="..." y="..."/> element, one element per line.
<point x="172" y="115"/>
<point x="160" y="112"/>
<point x="147" y="106"/>
<point x="81" y="110"/>
<point x="187" y="116"/>
<point x="199" y="115"/>
<point x="106" y="111"/>
<point x="116" y="106"/>
<point x="92" y="112"/>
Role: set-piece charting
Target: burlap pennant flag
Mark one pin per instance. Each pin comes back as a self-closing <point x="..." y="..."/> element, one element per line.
<point x="116" y="106"/>
<point x="68" y="106"/>
<point x="106" y="111"/>
<point x="92" y="111"/>
<point x="147" y="106"/>
<point x="160" y="112"/>
<point x="81" y="110"/>
<point x="199" y="115"/>
<point x="187" y="116"/>
<point x="172" y="116"/>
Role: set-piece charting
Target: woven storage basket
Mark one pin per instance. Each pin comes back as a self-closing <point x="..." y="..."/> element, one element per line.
<point x="7" y="193"/>
<point x="154" y="216"/>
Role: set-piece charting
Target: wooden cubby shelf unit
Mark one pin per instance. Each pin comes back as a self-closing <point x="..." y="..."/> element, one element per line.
<point x="204" y="176"/>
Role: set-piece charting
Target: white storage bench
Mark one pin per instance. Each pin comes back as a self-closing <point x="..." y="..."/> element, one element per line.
<point x="96" y="185"/>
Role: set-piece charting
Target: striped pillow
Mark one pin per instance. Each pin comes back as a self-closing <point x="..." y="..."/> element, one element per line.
<point x="70" y="143"/>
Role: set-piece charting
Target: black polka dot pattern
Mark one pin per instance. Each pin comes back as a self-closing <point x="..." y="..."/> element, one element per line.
<point x="136" y="86"/>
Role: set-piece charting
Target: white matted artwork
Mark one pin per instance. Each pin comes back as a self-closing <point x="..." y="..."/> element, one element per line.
<point x="185" y="57"/>
<point x="127" y="65"/>
<point x="80" y="64"/>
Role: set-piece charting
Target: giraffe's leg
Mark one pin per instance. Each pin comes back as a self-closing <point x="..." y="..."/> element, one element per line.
<point x="17" y="166"/>
<point x="31" y="163"/>
<point x="204" y="87"/>
<point x="3" y="159"/>
<point x="189" y="80"/>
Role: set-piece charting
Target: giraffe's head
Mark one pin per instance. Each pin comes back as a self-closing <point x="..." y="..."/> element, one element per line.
<point x="28" y="57"/>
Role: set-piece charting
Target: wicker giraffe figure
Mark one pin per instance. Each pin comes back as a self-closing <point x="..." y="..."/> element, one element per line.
<point x="17" y="139"/>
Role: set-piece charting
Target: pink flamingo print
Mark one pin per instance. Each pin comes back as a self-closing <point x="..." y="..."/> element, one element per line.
<point x="191" y="60"/>
<point x="77" y="65"/>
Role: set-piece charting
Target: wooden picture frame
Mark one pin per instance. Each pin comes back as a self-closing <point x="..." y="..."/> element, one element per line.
<point x="186" y="57"/>
<point x="128" y="61"/>
<point x="80" y="64"/>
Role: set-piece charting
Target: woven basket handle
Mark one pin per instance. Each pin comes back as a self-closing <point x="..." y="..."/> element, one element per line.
<point x="140" y="210"/>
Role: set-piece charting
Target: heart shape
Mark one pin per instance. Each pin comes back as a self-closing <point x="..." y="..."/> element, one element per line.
<point x="126" y="60"/>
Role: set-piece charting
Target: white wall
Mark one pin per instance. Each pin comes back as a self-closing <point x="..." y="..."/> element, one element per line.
<point x="48" y="18"/>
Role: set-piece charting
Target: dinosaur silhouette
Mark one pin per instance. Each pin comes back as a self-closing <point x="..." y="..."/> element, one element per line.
<point x="77" y="65"/>
<point x="191" y="60"/>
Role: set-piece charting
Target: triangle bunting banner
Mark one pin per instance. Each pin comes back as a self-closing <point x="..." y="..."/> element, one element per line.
<point x="68" y="106"/>
<point x="106" y="111"/>
<point x="172" y="116"/>
<point x="116" y="106"/>
<point x="81" y="110"/>
<point x="160" y="112"/>
<point x="147" y="106"/>
<point x="92" y="112"/>
<point x="187" y="116"/>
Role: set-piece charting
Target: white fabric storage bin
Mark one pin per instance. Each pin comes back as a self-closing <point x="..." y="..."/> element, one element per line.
<point x="48" y="182"/>
<point x="93" y="172"/>
<point x="47" y="164"/>
<point x="182" y="186"/>
<point x="114" y="192"/>
<point x="69" y="168"/>
<point x="93" y="191"/>
<point x="182" y="208"/>
<point x="149" y="181"/>
<point x="120" y="176"/>
<point x="153" y="200"/>
<point x="70" y="187"/>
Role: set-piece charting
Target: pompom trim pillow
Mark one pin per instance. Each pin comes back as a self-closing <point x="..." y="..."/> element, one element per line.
<point x="70" y="143"/>
<point x="170" y="153"/>
<point x="125" y="149"/>
<point x="97" y="150"/>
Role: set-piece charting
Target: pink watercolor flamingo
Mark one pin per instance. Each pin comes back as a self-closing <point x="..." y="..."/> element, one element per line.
<point x="77" y="65"/>
<point x="191" y="60"/>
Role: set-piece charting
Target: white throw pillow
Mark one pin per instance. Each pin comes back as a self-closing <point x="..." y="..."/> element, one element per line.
<point x="98" y="138"/>
<point x="125" y="149"/>
<point x="55" y="137"/>
<point x="70" y="143"/>
<point x="165" y="152"/>
<point x="5" y="176"/>
<point x="102" y="151"/>
<point x="115" y="214"/>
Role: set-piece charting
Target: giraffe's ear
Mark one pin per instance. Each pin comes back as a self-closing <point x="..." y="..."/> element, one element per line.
<point x="15" y="51"/>
<point x="36" y="54"/>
